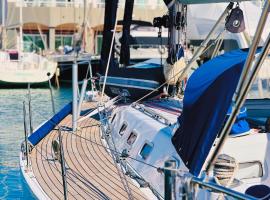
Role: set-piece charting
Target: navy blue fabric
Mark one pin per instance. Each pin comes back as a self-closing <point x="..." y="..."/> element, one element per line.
<point x="207" y="99"/>
<point x="180" y="53"/>
<point x="259" y="191"/>
<point x="48" y="126"/>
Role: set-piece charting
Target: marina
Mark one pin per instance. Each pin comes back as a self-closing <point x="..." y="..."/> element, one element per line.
<point x="134" y="99"/>
<point x="13" y="185"/>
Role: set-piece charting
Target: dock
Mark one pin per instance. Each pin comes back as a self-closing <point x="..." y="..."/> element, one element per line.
<point x="91" y="172"/>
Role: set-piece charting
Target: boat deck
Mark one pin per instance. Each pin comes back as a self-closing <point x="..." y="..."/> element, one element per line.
<point x="91" y="172"/>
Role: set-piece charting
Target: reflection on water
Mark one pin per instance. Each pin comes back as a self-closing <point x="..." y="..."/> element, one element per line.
<point x="12" y="184"/>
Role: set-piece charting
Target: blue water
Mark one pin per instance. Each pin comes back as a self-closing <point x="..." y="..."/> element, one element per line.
<point x="12" y="184"/>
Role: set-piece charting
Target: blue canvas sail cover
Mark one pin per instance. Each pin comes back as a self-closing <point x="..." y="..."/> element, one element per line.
<point x="48" y="126"/>
<point x="207" y="99"/>
<point x="240" y="126"/>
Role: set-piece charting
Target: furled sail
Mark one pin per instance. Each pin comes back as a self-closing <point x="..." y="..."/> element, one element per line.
<point x="207" y="99"/>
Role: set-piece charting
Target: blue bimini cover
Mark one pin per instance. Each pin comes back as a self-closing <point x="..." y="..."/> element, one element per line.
<point x="48" y="126"/>
<point x="207" y="99"/>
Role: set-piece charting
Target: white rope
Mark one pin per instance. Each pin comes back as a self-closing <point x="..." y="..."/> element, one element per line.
<point x="224" y="171"/>
<point x="109" y="58"/>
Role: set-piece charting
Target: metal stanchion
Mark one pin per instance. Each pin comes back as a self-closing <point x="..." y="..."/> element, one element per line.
<point x="30" y="109"/>
<point x="169" y="175"/>
<point x="63" y="166"/>
<point x="51" y="92"/>
<point x="83" y="90"/>
<point x="75" y="95"/>
<point x="25" y="134"/>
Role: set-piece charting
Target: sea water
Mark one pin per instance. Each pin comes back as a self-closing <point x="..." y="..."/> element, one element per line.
<point x="12" y="183"/>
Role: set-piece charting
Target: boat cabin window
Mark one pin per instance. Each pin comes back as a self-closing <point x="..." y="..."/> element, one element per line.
<point x="132" y="137"/>
<point x="147" y="42"/>
<point x="113" y="118"/>
<point x="248" y="170"/>
<point x="13" y="55"/>
<point x="123" y="128"/>
<point x="146" y="150"/>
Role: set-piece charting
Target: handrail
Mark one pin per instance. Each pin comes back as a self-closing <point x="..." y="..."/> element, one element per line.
<point x="222" y="189"/>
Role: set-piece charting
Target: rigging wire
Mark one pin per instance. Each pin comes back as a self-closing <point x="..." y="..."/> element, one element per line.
<point x="166" y="82"/>
<point x="70" y="131"/>
<point x="109" y="59"/>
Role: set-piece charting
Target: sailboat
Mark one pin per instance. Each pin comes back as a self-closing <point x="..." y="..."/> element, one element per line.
<point x="18" y="68"/>
<point x="147" y="128"/>
<point x="198" y="145"/>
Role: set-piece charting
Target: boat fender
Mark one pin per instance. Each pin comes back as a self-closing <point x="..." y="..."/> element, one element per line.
<point x="173" y="72"/>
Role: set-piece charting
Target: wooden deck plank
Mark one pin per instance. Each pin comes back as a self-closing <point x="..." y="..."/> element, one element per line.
<point x="91" y="173"/>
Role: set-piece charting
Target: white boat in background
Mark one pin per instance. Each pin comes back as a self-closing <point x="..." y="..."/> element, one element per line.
<point x="196" y="146"/>
<point x="23" y="68"/>
<point x="19" y="68"/>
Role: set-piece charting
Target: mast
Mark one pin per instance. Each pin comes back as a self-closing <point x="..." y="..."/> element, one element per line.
<point x="109" y="24"/>
<point x="125" y="51"/>
<point x="20" y="48"/>
<point x="4" y="6"/>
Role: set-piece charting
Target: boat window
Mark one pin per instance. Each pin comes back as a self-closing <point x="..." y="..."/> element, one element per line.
<point x="147" y="42"/>
<point x="13" y="55"/>
<point x="132" y="137"/>
<point x="123" y="128"/>
<point x="146" y="150"/>
<point x="249" y="170"/>
<point x="113" y="118"/>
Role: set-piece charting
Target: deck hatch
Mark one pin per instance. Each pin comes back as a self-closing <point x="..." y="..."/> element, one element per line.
<point x="146" y="150"/>
<point x="132" y="138"/>
<point x="123" y="128"/>
<point x="113" y="118"/>
<point x="249" y="170"/>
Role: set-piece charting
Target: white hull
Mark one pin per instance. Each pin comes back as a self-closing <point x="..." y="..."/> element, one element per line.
<point x="250" y="150"/>
<point x="30" y="68"/>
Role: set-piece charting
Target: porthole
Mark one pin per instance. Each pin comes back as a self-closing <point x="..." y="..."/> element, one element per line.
<point x="123" y="128"/>
<point x="146" y="150"/>
<point x="113" y="118"/>
<point x="131" y="138"/>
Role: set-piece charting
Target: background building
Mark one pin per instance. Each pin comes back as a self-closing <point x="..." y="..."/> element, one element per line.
<point x="49" y="24"/>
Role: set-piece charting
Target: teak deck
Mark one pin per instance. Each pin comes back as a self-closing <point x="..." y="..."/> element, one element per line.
<point x="91" y="173"/>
